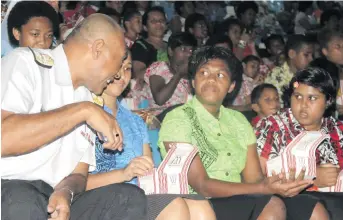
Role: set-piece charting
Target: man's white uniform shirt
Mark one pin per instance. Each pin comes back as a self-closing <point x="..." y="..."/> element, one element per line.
<point x="28" y="88"/>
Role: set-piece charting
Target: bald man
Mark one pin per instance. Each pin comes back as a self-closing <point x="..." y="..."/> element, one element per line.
<point x="48" y="121"/>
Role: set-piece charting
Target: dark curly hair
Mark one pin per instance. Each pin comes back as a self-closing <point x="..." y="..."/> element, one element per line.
<point x="23" y="11"/>
<point x="203" y="55"/>
<point x="315" y="77"/>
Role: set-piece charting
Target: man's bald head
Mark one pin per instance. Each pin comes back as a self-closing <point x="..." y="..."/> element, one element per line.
<point x="97" y="26"/>
<point x="98" y="45"/>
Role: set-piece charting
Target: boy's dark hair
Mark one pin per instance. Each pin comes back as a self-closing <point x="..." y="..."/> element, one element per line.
<point x="128" y="14"/>
<point x="304" y="5"/>
<point x="258" y="90"/>
<point x="250" y="58"/>
<point x="327" y="15"/>
<point x="273" y="37"/>
<point x="108" y="11"/>
<point x="244" y="6"/>
<point x="204" y="54"/>
<point x="325" y="36"/>
<point x="178" y="5"/>
<point x="225" y="25"/>
<point x="181" y="39"/>
<point x="152" y="9"/>
<point x="23" y="11"/>
<point x="317" y="78"/>
<point x="192" y="19"/>
<point x="296" y="42"/>
<point x="219" y="39"/>
<point x="330" y="67"/>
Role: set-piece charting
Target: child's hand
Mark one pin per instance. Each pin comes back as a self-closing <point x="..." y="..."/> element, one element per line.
<point x="259" y="79"/>
<point x="138" y="166"/>
<point x="326" y="175"/>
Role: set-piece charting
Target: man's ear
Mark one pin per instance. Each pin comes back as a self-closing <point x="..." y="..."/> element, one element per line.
<point x="16" y="33"/>
<point x="255" y="108"/>
<point x="292" y="53"/>
<point x="97" y="48"/>
<point x="232" y="87"/>
<point x="325" y="51"/>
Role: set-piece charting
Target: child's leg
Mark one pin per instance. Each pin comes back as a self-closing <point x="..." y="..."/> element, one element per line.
<point x="177" y="209"/>
<point x="200" y="210"/>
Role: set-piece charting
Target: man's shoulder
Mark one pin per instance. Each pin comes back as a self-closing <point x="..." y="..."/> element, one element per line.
<point x="41" y="57"/>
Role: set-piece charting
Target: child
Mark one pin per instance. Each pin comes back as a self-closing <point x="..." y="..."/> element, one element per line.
<point x="299" y="53"/>
<point x="331" y="43"/>
<point x="242" y="42"/>
<point x="251" y="78"/>
<point x="275" y="45"/>
<point x="330" y="19"/>
<point x="196" y="25"/>
<point x="132" y="21"/>
<point x="264" y="101"/>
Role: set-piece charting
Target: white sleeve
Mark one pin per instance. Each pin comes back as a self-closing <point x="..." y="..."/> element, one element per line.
<point x="89" y="155"/>
<point x="18" y="82"/>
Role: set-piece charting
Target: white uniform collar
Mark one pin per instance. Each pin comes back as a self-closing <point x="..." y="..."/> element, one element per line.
<point x="62" y="72"/>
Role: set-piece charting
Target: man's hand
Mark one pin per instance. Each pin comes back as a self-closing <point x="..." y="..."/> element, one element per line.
<point x="59" y="205"/>
<point x="279" y="184"/>
<point x="107" y="126"/>
<point x="139" y="166"/>
<point x="326" y="175"/>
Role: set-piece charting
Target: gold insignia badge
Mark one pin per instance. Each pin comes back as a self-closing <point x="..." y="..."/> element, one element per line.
<point x="98" y="100"/>
<point x="43" y="60"/>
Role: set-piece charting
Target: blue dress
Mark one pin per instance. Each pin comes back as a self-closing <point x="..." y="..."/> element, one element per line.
<point x="135" y="134"/>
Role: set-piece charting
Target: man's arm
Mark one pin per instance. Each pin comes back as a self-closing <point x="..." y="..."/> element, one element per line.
<point x="24" y="133"/>
<point x="64" y="192"/>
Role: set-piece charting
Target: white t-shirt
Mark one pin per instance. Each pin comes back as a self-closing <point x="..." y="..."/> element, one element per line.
<point x="27" y="88"/>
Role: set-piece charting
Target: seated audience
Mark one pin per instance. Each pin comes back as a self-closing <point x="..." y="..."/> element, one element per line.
<point x="132" y="22"/>
<point x="220" y="40"/>
<point x="148" y="50"/>
<point x="330" y="19"/>
<point x="183" y="9"/>
<point x="169" y="81"/>
<point x="227" y="165"/>
<point x="265" y="101"/>
<point x="116" y="5"/>
<point x="304" y="21"/>
<point x="135" y="159"/>
<point x="33" y="24"/>
<point x="309" y="102"/>
<point x="299" y="52"/>
<point x="196" y="25"/>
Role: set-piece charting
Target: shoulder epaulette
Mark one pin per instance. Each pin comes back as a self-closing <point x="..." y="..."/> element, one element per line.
<point x="98" y="100"/>
<point x="42" y="59"/>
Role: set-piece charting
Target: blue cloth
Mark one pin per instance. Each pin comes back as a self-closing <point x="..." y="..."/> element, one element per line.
<point x="135" y="134"/>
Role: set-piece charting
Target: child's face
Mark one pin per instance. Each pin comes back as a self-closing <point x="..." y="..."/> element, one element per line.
<point x="235" y="33"/>
<point x="268" y="104"/>
<point x="252" y="68"/>
<point x="136" y="23"/>
<point x="303" y="57"/>
<point x="276" y="47"/>
<point x="334" y="51"/>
